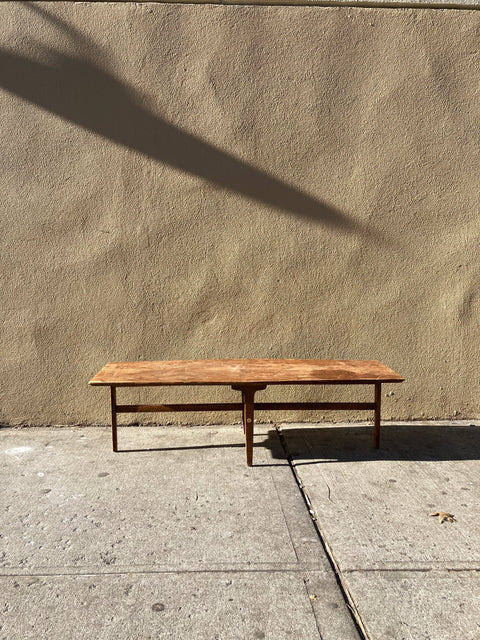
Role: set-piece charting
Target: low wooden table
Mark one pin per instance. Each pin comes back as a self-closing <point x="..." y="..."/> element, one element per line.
<point x="248" y="377"/>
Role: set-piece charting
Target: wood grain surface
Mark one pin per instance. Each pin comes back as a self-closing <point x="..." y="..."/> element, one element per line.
<point x="243" y="371"/>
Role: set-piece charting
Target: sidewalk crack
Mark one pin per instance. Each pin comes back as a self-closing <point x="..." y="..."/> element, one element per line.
<point x="344" y="590"/>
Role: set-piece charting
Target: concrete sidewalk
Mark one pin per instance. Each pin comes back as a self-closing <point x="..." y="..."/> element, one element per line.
<point x="182" y="541"/>
<point x="409" y="576"/>
<point x="174" y="537"/>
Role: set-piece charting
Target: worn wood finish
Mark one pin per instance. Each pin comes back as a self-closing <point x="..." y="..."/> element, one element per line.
<point x="243" y="371"/>
<point x="248" y="377"/>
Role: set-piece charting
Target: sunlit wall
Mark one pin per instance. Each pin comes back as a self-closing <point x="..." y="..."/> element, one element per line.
<point x="201" y="181"/>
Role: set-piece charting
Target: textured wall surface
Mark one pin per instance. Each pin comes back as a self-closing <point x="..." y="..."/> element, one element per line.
<point x="200" y="181"/>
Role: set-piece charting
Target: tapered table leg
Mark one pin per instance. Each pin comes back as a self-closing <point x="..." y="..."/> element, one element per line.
<point x="113" y="404"/>
<point x="378" y="403"/>
<point x="248" y="417"/>
<point x="248" y="409"/>
<point x="244" y="418"/>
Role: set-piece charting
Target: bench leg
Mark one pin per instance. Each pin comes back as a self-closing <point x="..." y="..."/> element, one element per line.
<point x="378" y="403"/>
<point x="113" y="404"/>
<point x="248" y="408"/>
<point x="244" y="417"/>
<point x="248" y="417"/>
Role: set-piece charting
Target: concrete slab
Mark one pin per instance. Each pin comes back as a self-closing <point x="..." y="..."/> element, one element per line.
<point x="438" y="605"/>
<point x="374" y="505"/>
<point x="79" y="504"/>
<point x="408" y="575"/>
<point x="166" y="605"/>
<point x="172" y="537"/>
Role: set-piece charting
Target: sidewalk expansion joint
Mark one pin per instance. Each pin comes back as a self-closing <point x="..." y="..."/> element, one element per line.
<point x="388" y="569"/>
<point x="346" y="595"/>
<point x="89" y="571"/>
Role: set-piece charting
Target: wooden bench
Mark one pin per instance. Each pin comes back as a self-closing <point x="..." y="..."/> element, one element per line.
<point x="248" y="377"/>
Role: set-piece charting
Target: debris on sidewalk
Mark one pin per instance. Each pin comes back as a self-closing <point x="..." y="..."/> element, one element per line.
<point x="443" y="517"/>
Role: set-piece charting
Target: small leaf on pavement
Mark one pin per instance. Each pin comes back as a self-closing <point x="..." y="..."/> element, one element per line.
<point x="443" y="517"/>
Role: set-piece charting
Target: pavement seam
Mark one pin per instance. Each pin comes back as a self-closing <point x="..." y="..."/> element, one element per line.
<point x="344" y="590"/>
<point x="84" y="573"/>
<point x="419" y="570"/>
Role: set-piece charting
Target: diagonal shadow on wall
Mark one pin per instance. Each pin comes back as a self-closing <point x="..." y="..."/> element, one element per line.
<point x="78" y="91"/>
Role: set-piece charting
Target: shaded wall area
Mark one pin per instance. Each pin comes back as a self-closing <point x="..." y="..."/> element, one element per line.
<point x="202" y="181"/>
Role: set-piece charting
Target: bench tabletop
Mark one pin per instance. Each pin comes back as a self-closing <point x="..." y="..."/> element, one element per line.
<point x="243" y="371"/>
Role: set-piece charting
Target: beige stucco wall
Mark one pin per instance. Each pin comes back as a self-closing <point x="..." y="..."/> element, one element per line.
<point x="200" y="181"/>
